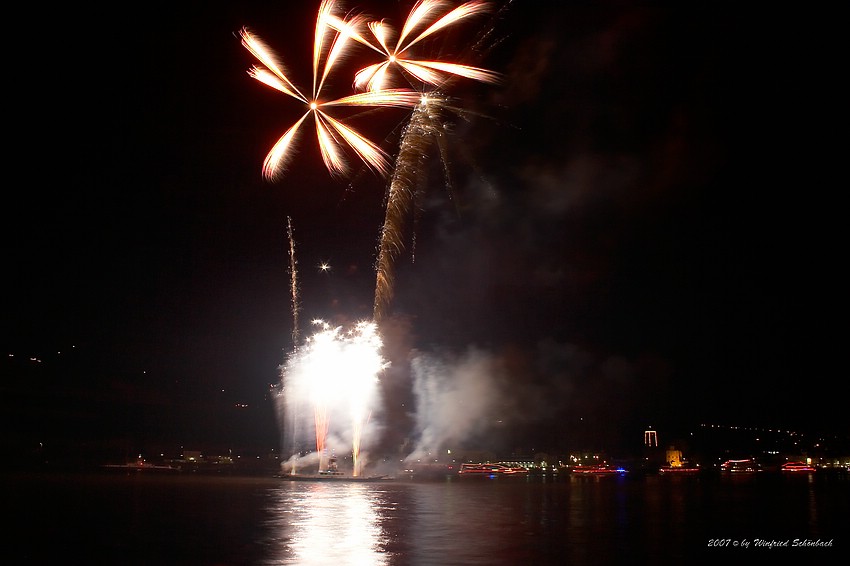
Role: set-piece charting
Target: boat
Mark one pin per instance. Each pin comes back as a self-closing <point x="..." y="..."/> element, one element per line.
<point x="337" y="477"/>
<point x="743" y="466"/>
<point x="598" y="470"/>
<point x="490" y="469"/>
<point x="141" y="466"/>
<point x="680" y="470"/>
<point x="797" y="467"/>
<point x="331" y="473"/>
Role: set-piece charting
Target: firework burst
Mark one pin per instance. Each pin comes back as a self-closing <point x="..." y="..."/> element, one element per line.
<point x="335" y="372"/>
<point x="330" y="44"/>
<point x="424" y="14"/>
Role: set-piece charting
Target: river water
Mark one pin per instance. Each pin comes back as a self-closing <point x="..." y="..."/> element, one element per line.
<point x="179" y="519"/>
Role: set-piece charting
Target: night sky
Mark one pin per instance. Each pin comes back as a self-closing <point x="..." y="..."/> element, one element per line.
<point x="632" y="231"/>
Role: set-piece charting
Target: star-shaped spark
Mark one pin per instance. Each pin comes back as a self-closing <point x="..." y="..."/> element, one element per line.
<point x="330" y="44"/>
<point x="374" y="77"/>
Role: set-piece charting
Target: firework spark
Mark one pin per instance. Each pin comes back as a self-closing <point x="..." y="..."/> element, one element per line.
<point x="329" y="45"/>
<point x="425" y="125"/>
<point x="336" y="371"/>
<point x="293" y="283"/>
<point x="425" y="13"/>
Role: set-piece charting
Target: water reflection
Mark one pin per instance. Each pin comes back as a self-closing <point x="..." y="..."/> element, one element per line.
<point x="314" y="524"/>
<point x="504" y="523"/>
<point x="813" y="506"/>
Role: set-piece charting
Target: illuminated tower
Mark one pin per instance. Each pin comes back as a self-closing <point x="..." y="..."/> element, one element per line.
<point x="650" y="438"/>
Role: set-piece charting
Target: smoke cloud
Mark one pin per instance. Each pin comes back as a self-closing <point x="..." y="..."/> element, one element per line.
<point x="457" y="398"/>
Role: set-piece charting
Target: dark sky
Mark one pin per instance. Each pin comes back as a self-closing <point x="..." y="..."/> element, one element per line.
<point x="631" y="230"/>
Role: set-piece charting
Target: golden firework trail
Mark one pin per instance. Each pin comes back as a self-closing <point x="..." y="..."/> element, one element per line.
<point x="330" y="44"/>
<point x="293" y="284"/>
<point x="425" y="125"/>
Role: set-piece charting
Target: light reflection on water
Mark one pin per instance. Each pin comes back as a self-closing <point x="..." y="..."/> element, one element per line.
<point x="461" y="522"/>
<point x="328" y="523"/>
<point x="496" y="523"/>
<point x="201" y="521"/>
